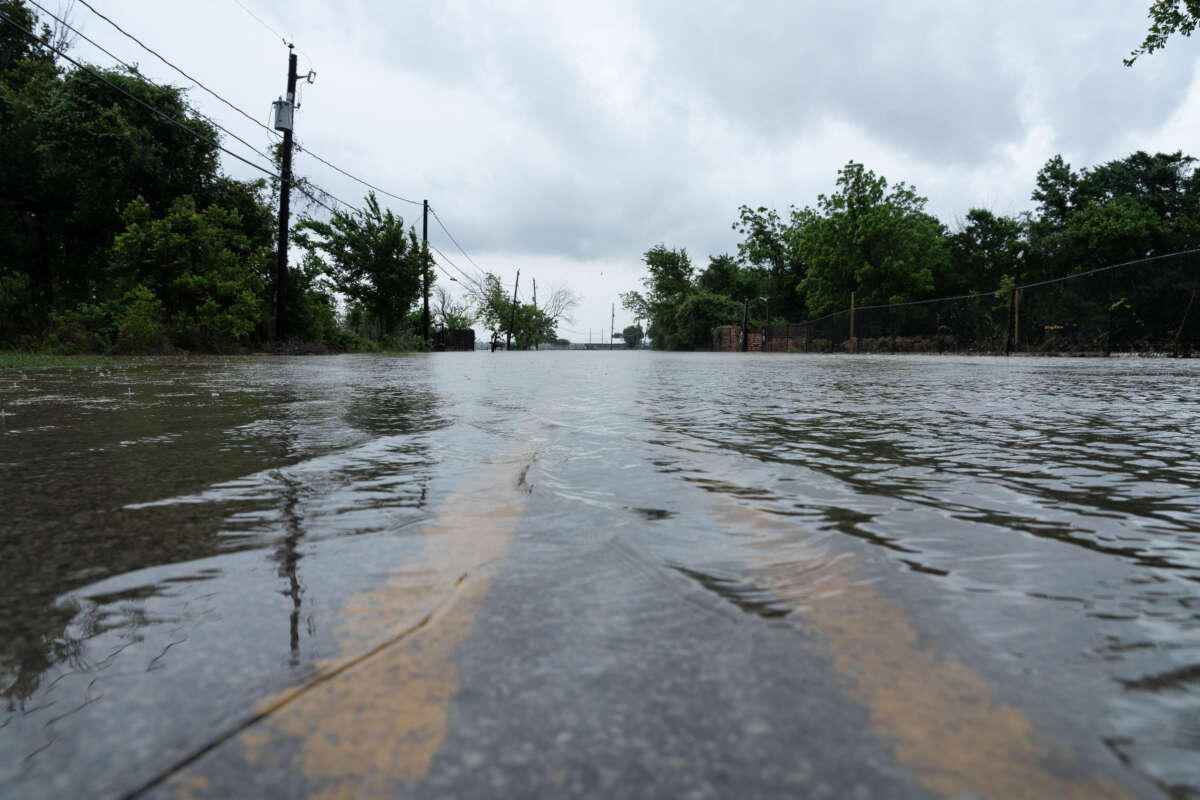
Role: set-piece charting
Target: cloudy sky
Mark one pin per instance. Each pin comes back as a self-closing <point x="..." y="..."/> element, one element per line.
<point x="566" y="138"/>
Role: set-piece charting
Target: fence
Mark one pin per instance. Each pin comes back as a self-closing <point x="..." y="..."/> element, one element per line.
<point x="1149" y="305"/>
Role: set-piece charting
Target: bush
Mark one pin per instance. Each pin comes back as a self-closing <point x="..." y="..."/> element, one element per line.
<point x="139" y="324"/>
<point x="87" y="328"/>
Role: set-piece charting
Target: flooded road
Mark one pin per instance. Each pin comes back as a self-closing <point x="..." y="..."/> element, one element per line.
<point x="601" y="574"/>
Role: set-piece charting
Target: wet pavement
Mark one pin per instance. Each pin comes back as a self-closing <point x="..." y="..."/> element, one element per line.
<point x="601" y="574"/>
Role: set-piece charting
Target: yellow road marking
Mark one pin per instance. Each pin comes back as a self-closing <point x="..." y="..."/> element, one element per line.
<point x="947" y="727"/>
<point x="378" y="716"/>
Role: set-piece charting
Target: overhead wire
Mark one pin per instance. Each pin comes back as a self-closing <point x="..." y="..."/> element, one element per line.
<point x="456" y="244"/>
<point x="259" y="20"/>
<point x="259" y="123"/>
<point x="472" y="283"/>
<point x="173" y="66"/>
<point x="298" y="185"/>
<point x="134" y="69"/>
<point x="306" y="188"/>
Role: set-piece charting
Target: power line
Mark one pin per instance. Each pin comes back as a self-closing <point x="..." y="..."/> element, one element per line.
<point x="258" y="19"/>
<point x="270" y="130"/>
<point x="298" y="185"/>
<point x="456" y="244"/>
<point x="134" y="69"/>
<point x="161" y="58"/>
<point x="135" y="98"/>
<point x="471" y="282"/>
<point x="335" y="167"/>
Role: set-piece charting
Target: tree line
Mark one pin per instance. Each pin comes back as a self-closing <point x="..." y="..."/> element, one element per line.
<point x="120" y="232"/>
<point x="878" y="241"/>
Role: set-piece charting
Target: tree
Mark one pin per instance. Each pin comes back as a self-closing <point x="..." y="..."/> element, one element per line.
<point x="208" y="276"/>
<point x="667" y="286"/>
<point x="633" y="336"/>
<point x="1167" y="17"/>
<point x="697" y="316"/>
<point x="452" y="314"/>
<point x="866" y="239"/>
<point x="725" y="276"/>
<point x="527" y="324"/>
<point x="370" y="259"/>
<point x="772" y="246"/>
<point x="985" y="248"/>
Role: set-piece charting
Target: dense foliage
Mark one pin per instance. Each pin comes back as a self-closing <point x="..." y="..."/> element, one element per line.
<point x="118" y="230"/>
<point x="876" y="241"/>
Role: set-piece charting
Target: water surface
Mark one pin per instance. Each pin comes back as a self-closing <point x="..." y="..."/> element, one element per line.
<point x="617" y="543"/>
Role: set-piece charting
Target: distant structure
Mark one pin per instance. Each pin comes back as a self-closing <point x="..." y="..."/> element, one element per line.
<point x="728" y="339"/>
<point x="452" y="339"/>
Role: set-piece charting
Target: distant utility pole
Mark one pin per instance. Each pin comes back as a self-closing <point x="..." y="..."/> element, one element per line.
<point x="284" y="119"/>
<point x="538" y="328"/>
<point x="612" y="331"/>
<point x="425" y="271"/>
<point x="513" y="323"/>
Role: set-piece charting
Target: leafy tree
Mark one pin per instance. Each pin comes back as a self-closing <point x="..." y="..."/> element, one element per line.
<point x="526" y="324"/>
<point x="866" y="239"/>
<point x="450" y="313"/>
<point x="633" y="335"/>
<point x="208" y="275"/>
<point x="697" y="316"/>
<point x="1167" y="17"/>
<point x="985" y="248"/>
<point x="725" y="276"/>
<point x="772" y="246"/>
<point x="370" y="259"/>
<point x="668" y="284"/>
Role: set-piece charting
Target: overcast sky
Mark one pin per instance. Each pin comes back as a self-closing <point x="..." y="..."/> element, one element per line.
<point x="566" y="138"/>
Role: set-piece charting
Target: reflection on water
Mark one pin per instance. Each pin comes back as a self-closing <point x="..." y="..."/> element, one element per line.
<point x="181" y="536"/>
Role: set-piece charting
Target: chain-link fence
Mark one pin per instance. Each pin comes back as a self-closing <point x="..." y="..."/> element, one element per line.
<point x="1147" y="306"/>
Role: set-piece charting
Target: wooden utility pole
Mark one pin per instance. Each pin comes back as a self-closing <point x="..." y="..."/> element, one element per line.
<point x="285" y="198"/>
<point x="513" y="321"/>
<point x="612" y="333"/>
<point x="425" y="271"/>
<point x="538" y="330"/>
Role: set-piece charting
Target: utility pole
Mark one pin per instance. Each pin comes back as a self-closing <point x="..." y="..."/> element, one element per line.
<point x="425" y="271"/>
<point x="538" y="333"/>
<point x="612" y="332"/>
<point x="513" y="322"/>
<point x="284" y="119"/>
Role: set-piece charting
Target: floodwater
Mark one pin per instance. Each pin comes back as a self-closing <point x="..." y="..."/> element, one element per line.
<point x="601" y="574"/>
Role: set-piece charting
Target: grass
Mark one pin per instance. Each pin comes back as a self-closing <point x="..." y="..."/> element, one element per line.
<point x="24" y="359"/>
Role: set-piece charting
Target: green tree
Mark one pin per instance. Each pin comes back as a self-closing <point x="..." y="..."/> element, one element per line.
<point x="452" y="314"/>
<point x="771" y="246"/>
<point x="668" y="284"/>
<point x="526" y="324"/>
<point x="725" y="276"/>
<point x="633" y="335"/>
<point x="370" y="259"/>
<point x="866" y="239"/>
<point x="697" y="316"/>
<point x="1167" y="17"/>
<point x="209" y="277"/>
<point x="984" y="248"/>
